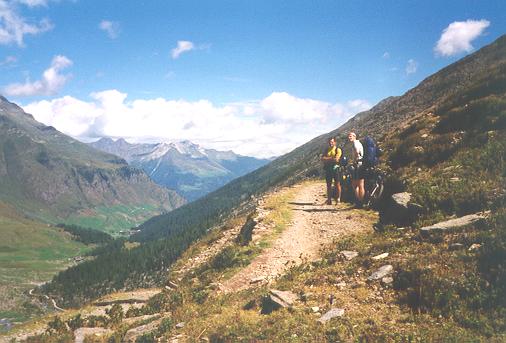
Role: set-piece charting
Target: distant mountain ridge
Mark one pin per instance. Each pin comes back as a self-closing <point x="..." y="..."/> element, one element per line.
<point x="55" y="178"/>
<point x="186" y="167"/>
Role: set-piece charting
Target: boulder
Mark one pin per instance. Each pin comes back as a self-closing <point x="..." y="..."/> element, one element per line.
<point x="277" y="299"/>
<point x="454" y="224"/>
<point x="402" y="199"/>
<point x="332" y="313"/>
<point x="349" y="255"/>
<point x="400" y="210"/>
<point x="381" y="272"/>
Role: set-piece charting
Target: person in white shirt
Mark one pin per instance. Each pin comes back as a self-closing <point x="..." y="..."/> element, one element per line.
<point x="357" y="175"/>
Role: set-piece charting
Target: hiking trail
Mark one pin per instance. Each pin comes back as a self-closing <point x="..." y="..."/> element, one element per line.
<point x="314" y="225"/>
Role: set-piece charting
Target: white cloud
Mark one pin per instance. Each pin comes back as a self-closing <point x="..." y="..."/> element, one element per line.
<point x="182" y="46"/>
<point x="411" y="67"/>
<point x="8" y="60"/>
<point x="270" y="126"/>
<point x="14" y="27"/>
<point x="112" y="28"/>
<point x="52" y="81"/>
<point x="386" y="55"/>
<point x="457" y="37"/>
<point x="33" y="3"/>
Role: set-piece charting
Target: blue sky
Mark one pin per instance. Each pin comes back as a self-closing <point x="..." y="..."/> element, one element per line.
<point x="258" y="77"/>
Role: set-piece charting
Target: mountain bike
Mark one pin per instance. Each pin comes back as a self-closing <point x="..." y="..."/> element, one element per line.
<point x="374" y="186"/>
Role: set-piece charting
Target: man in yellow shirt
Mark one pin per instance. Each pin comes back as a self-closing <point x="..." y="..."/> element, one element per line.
<point x="330" y="158"/>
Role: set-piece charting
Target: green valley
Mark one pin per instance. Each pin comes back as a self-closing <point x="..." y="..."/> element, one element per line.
<point x="31" y="253"/>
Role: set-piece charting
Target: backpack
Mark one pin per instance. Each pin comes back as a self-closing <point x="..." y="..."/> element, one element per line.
<point x="343" y="161"/>
<point x="371" y="152"/>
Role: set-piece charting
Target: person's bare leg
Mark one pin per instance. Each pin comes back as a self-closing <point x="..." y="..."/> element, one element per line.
<point x="354" y="184"/>
<point x="338" y="192"/>
<point x="361" y="190"/>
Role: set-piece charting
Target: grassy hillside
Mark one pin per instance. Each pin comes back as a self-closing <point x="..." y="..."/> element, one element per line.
<point x="52" y="177"/>
<point x="472" y="88"/>
<point x="30" y="253"/>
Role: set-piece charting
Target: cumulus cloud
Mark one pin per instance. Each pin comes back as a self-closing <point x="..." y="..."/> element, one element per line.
<point x="182" y="47"/>
<point x="386" y="55"/>
<point x="52" y="80"/>
<point x="411" y="67"/>
<point x="457" y="37"/>
<point x="266" y="127"/>
<point x="14" y="27"/>
<point x="112" y="28"/>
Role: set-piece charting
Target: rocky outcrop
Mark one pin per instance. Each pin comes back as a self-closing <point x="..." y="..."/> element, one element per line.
<point x="454" y="224"/>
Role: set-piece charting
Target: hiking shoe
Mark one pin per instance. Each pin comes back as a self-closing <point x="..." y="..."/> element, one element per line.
<point x="329" y="202"/>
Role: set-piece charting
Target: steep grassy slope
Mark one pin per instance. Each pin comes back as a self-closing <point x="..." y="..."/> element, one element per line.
<point x="478" y="78"/>
<point x="30" y="254"/>
<point x="52" y="177"/>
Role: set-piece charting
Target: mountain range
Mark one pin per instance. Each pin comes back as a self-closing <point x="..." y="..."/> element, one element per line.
<point x="188" y="168"/>
<point x="54" y="178"/>
<point x="454" y="108"/>
<point x="444" y="143"/>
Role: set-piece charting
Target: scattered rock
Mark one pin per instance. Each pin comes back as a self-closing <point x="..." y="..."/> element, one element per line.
<point x="180" y="325"/>
<point x="380" y="256"/>
<point x="452" y="224"/>
<point x="454" y="179"/>
<point x="387" y="280"/>
<point x="257" y="279"/>
<point x="402" y="199"/>
<point x="332" y="313"/>
<point x="349" y="255"/>
<point x="315" y="309"/>
<point x="132" y="334"/>
<point x="425" y="135"/>
<point x="81" y="333"/>
<point x="381" y="272"/>
<point x="455" y="246"/>
<point x="474" y="247"/>
<point x="277" y="299"/>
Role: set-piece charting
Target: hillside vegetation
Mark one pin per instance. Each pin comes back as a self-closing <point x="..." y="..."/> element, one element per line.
<point x="444" y="143"/>
<point x="53" y="178"/>
<point x="31" y="253"/>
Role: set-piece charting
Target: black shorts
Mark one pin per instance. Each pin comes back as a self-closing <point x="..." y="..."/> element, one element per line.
<point x="333" y="174"/>
<point x="357" y="172"/>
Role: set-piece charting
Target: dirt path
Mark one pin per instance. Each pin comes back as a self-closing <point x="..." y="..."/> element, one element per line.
<point x="313" y="226"/>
